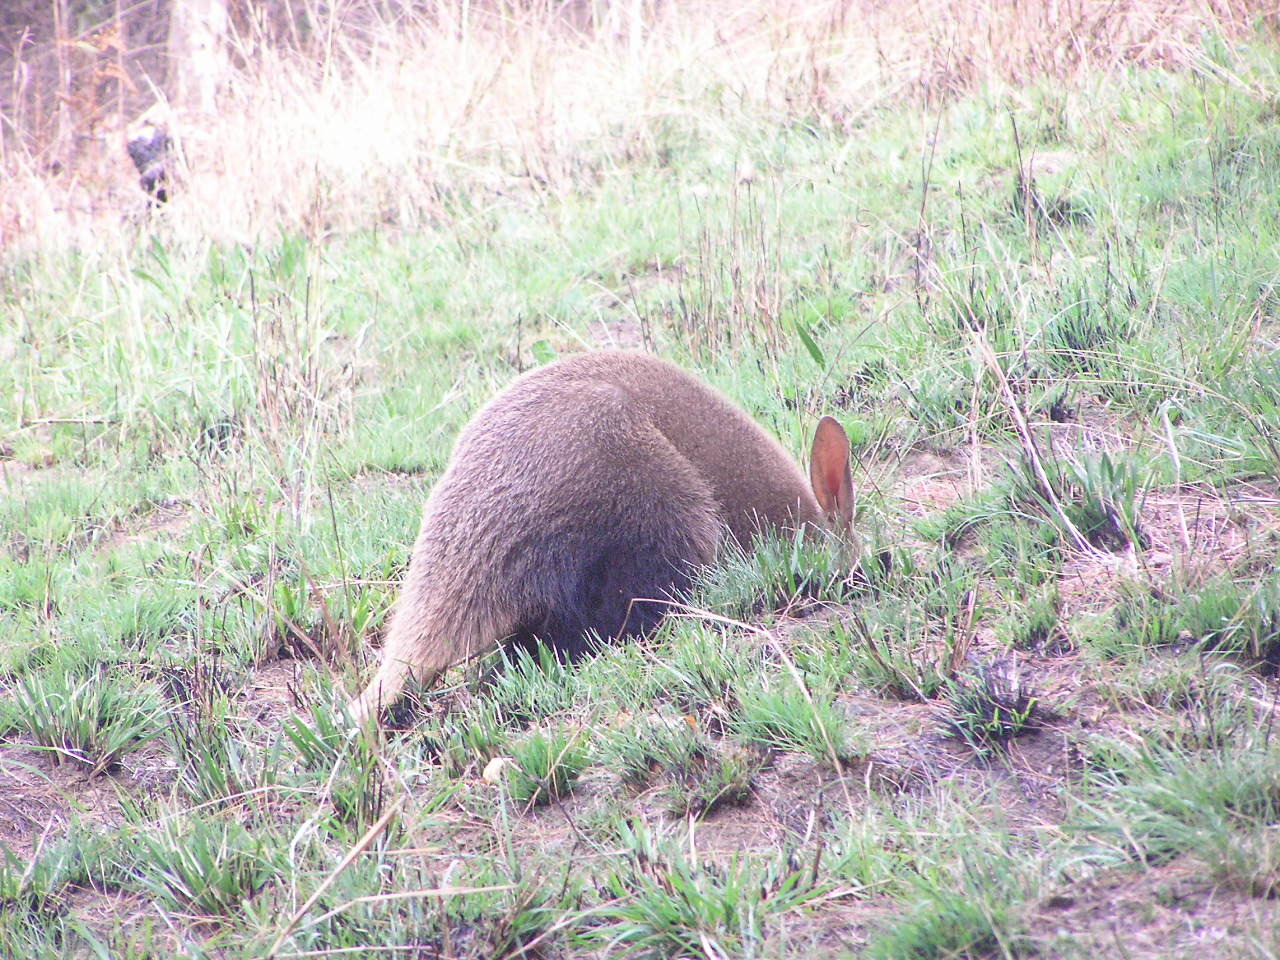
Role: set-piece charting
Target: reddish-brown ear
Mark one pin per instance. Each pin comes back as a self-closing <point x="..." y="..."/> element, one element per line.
<point x="829" y="472"/>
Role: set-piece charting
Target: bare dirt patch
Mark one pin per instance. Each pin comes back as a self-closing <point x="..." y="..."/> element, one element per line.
<point x="1192" y="531"/>
<point x="1142" y="912"/>
<point x="617" y="334"/>
<point x="929" y="481"/>
<point x="272" y="694"/>
<point x="1093" y="427"/>
<point x="839" y="926"/>
<point x="166" y="522"/>
<point x="38" y="797"/>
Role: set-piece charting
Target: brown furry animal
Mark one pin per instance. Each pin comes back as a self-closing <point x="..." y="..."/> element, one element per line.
<point x="579" y="499"/>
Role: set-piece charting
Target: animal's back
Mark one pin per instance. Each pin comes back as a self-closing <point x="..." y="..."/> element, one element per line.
<point x="753" y="479"/>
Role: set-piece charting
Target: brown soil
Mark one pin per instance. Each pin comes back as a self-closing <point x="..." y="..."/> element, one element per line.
<point x="1153" y="912"/>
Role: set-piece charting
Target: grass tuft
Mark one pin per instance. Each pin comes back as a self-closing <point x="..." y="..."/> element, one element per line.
<point x="990" y="707"/>
<point x="93" y="720"/>
<point x="547" y="765"/>
<point x="669" y="906"/>
<point x="208" y="865"/>
<point x="785" y="714"/>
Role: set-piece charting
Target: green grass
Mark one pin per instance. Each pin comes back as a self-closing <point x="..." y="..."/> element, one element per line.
<point x="990" y="707"/>
<point x="1045" y="668"/>
<point x="546" y="765"/>
<point x="790" y="715"/>
<point x="206" y="866"/>
<point x="664" y="904"/>
<point x="91" y="719"/>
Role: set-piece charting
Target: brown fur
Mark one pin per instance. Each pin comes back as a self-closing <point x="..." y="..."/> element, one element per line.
<point x="585" y="488"/>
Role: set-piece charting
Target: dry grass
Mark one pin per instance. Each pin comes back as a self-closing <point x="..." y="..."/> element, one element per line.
<point x="370" y="120"/>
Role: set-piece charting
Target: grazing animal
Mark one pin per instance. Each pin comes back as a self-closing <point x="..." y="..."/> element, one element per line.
<point x="580" y="498"/>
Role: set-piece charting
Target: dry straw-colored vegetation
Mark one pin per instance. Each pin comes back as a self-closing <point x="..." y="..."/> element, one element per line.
<point x="332" y="117"/>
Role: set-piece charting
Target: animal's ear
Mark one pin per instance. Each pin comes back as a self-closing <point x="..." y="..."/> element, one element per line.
<point x="829" y="472"/>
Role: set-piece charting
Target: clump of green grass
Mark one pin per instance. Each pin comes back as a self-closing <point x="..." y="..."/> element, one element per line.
<point x="887" y="843"/>
<point x="36" y="937"/>
<point x="721" y="777"/>
<point x="413" y="704"/>
<point x="644" y="750"/>
<point x="39" y="884"/>
<point x="215" y="764"/>
<point x="301" y="627"/>
<point x="1220" y="614"/>
<point x="1083" y="337"/>
<point x="914" y="629"/>
<point x="320" y="743"/>
<point x="1245" y="857"/>
<point x="498" y="915"/>
<point x="990" y="707"/>
<point x="1191" y="698"/>
<point x="957" y="523"/>
<point x="1022" y="555"/>
<point x="347" y="762"/>
<point x="1253" y="395"/>
<point x="785" y="714"/>
<point x="547" y="765"/>
<point x="900" y="654"/>
<point x="528" y="686"/>
<point x="700" y="669"/>
<point x="207" y="864"/>
<point x="33" y="587"/>
<point x="953" y="923"/>
<point x="939" y="402"/>
<point x="778" y="573"/>
<point x="1154" y="800"/>
<point x="666" y="905"/>
<point x="465" y="738"/>
<point x="93" y="719"/>
<point x="1098" y="495"/>
<point x="1036" y="625"/>
<point x="697" y="775"/>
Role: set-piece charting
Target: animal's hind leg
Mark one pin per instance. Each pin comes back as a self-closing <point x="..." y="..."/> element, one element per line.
<point x="629" y="572"/>
<point x="622" y="592"/>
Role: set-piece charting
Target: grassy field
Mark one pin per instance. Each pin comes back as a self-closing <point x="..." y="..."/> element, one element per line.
<point x="1034" y="719"/>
